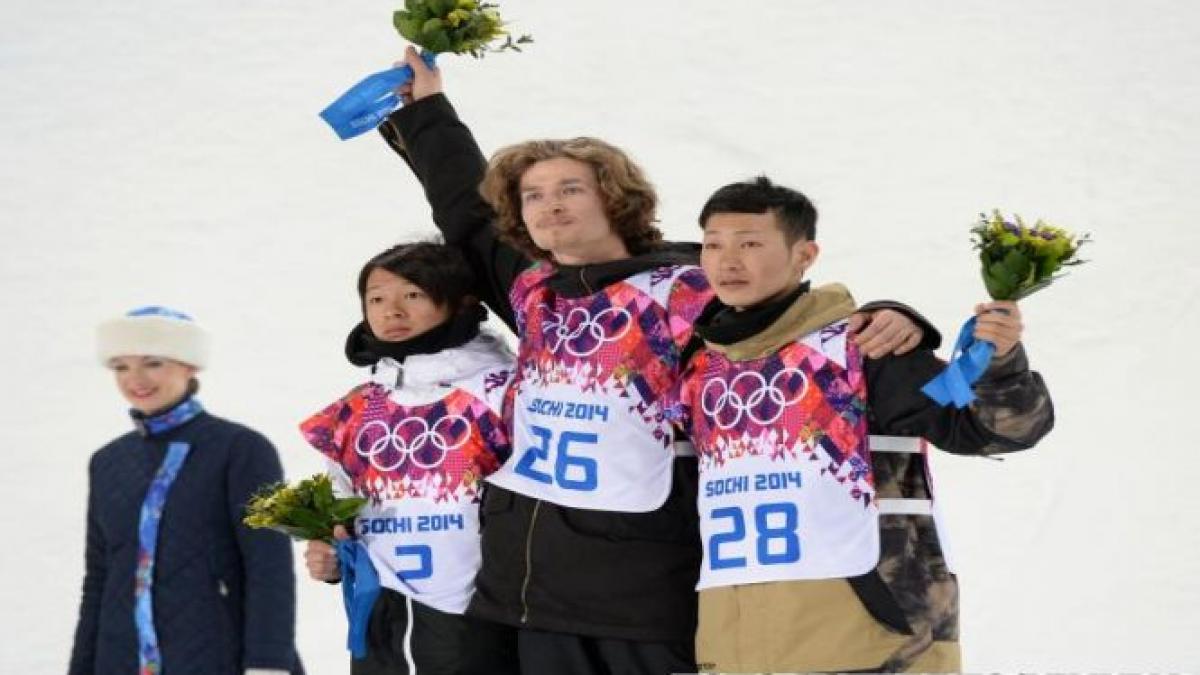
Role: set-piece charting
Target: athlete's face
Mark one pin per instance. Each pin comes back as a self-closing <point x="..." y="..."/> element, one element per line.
<point x="562" y="208"/>
<point x="748" y="260"/>
<point x="151" y="383"/>
<point x="399" y="310"/>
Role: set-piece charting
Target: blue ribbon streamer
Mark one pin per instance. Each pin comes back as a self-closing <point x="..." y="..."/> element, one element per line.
<point x="367" y="104"/>
<point x="360" y="587"/>
<point x="953" y="386"/>
<point x="149" y="656"/>
<point x="175" y="417"/>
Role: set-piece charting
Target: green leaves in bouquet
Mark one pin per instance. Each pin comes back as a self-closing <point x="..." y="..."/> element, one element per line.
<point x="344" y="509"/>
<point x="308" y="510"/>
<point x="1018" y="260"/>
<point x="1004" y="276"/>
<point x="309" y="521"/>
<point x="322" y="496"/>
<point x="458" y="26"/>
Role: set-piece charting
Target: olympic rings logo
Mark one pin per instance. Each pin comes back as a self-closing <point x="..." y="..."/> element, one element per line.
<point x="763" y="405"/>
<point x="380" y="441"/>
<point x="583" y="334"/>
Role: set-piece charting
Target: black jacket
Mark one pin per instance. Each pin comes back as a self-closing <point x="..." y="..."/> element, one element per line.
<point x="224" y="595"/>
<point x="606" y="574"/>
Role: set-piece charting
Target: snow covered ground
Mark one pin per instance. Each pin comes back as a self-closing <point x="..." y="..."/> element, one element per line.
<point x="171" y="153"/>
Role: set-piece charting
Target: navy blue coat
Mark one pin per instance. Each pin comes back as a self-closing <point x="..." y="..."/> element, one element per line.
<point x="224" y="595"/>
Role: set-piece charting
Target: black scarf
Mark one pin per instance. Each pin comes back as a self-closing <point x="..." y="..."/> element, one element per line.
<point x="577" y="281"/>
<point x="364" y="349"/>
<point x="722" y="325"/>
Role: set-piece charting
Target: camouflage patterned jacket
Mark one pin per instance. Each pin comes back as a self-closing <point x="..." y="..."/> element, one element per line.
<point x="906" y="614"/>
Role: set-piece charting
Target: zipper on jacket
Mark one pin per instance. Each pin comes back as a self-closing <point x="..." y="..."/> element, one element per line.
<point x="528" y="561"/>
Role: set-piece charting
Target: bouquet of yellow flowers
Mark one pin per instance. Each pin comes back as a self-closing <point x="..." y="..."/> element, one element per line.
<point x="1017" y="261"/>
<point x="437" y="26"/>
<point x="456" y="26"/>
<point x="307" y="511"/>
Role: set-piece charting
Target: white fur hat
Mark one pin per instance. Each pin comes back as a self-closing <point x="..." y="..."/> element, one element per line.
<point x="153" y="331"/>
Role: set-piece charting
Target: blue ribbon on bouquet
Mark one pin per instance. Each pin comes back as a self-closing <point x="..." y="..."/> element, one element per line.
<point x="360" y="587"/>
<point x="971" y="357"/>
<point x="367" y="104"/>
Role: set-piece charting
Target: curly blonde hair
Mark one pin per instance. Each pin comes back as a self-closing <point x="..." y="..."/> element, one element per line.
<point x="628" y="198"/>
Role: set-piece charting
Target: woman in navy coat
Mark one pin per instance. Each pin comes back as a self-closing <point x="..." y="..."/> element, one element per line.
<point x="174" y="582"/>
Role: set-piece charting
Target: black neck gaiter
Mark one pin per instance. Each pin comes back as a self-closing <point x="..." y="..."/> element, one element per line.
<point x="364" y="349"/>
<point x="722" y="325"/>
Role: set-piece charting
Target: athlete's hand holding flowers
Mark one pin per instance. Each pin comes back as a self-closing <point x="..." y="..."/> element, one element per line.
<point x="1017" y="261"/>
<point x="426" y="80"/>
<point x="999" y="322"/>
<point x="321" y="559"/>
<point x="438" y="27"/>
<point x="310" y="511"/>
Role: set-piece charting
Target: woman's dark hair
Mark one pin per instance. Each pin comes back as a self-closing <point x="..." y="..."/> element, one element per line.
<point x="796" y="215"/>
<point x="440" y="270"/>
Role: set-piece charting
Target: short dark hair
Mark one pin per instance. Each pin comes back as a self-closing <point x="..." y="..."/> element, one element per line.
<point x="440" y="270"/>
<point x="796" y="214"/>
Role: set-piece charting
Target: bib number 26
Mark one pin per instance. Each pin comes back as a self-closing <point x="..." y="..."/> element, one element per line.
<point x="570" y="471"/>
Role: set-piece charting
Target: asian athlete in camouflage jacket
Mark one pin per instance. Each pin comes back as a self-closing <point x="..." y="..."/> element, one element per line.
<point x="903" y="614"/>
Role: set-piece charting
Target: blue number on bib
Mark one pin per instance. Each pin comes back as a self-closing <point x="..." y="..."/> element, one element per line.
<point x="738" y="533"/>
<point x="424" y="568"/>
<point x="564" y="461"/>
<point x="533" y="453"/>
<point x="767" y="532"/>
<point x="785" y="532"/>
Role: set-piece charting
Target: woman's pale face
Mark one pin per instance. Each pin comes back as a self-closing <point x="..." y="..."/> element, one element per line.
<point x="151" y="383"/>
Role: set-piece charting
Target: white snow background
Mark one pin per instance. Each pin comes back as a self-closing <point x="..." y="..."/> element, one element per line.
<point x="170" y="153"/>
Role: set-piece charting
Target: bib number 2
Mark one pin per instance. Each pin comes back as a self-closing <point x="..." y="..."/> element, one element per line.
<point x="421" y="557"/>
<point x="571" y="472"/>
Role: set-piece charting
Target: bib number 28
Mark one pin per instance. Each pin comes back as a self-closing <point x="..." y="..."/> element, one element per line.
<point x="775" y="538"/>
<point x="570" y="471"/>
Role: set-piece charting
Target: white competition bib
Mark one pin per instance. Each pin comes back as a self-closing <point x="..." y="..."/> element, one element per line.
<point x="428" y="553"/>
<point x="762" y="520"/>
<point x="588" y="428"/>
<point x="585" y="449"/>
